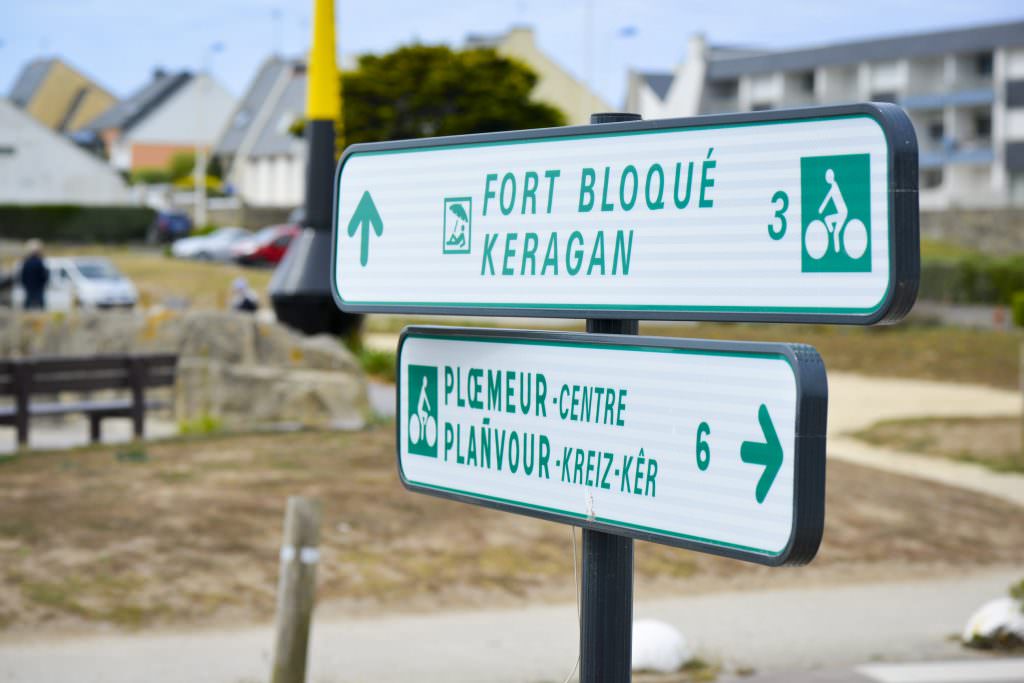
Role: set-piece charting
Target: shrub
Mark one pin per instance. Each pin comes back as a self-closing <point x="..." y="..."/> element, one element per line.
<point x="150" y="176"/>
<point x="1017" y="306"/>
<point x="71" y="223"/>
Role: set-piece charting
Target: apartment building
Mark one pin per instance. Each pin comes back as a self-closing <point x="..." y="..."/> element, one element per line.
<point x="963" y="90"/>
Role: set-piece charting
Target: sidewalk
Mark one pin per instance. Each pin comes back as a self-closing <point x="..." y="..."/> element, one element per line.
<point x="771" y="631"/>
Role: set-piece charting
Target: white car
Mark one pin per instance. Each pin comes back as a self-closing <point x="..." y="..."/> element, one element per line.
<point x="215" y="246"/>
<point x="87" y="282"/>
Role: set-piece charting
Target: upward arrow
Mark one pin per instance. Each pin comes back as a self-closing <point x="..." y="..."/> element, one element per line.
<point x="768" y="454"/>
<point x="365" y="216"/>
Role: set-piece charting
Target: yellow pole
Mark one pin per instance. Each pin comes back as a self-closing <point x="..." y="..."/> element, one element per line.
<point x="323" y="86"/>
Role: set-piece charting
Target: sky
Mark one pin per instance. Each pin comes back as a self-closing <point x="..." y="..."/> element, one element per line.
<point x="119" y="42"/>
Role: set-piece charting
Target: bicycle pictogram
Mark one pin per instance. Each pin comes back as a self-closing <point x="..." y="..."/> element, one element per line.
<point x="835" y="201"/>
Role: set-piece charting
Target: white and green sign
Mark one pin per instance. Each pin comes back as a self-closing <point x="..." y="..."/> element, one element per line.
<point x="803" y="215"/>
<point x="715" y="446"/>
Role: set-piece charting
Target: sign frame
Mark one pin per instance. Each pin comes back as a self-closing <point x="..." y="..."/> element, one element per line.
<point x="808" y="454"/>
<point x="903" y="224"/>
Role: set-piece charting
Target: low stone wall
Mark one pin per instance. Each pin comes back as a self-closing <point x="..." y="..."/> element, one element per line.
<point x="994" y="231"/>
<point x="232" y="367"/>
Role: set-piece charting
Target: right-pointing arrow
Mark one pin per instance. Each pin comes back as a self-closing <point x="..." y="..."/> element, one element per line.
<point x="768" y="454"/>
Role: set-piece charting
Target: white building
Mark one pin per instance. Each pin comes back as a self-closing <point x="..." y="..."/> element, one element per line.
<point x="40" y="166"/>
<point x="264" y="161"/>
<point x="963" y="89"/>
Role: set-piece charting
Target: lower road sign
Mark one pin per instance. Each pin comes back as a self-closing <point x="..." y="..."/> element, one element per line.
<point x="713" y="446"/>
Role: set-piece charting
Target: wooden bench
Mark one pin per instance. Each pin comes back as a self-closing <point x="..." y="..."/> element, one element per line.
<point x="27" y="377"/>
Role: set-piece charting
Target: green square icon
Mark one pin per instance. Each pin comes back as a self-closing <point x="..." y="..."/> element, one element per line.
<point x="835" y="202"/>
<point x="422" y="426"/>
<point x="458" y="225"/>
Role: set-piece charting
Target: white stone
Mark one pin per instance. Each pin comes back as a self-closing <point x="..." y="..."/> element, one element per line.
<point x="1000" y="616"/>
<point x="658" y="646"/>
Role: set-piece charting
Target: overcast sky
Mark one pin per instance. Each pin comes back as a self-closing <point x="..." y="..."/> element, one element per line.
<point x="118" y="42"/>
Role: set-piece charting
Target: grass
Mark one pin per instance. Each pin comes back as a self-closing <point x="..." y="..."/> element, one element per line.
<point x="192" y="534"/>
<point x="162" y="279"/>
<point x="378" y="364"/>
<point x="915" y="351"/>
<point x="994" y="442"/>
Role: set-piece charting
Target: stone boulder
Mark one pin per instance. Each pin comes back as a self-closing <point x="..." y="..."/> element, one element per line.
<point x="244" y="372"/>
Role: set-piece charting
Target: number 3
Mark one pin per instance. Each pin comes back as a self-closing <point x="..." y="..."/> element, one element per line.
<point x="780" y="213"/>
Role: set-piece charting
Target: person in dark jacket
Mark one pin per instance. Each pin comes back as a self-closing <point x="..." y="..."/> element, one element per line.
<point x="34" y="276"/>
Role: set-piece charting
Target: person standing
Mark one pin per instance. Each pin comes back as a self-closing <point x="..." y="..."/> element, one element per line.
<point x="34" y="276"/>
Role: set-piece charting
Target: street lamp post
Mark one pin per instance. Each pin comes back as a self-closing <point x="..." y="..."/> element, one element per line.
<point x="199" y="166"/>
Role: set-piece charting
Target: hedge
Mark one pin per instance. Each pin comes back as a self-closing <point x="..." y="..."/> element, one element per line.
<point x="72" y="223"/>
<point x="973" y="278"/>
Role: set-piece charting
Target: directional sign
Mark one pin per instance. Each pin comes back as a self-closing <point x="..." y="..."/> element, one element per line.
<point x="802" y="215"/>
<point x="715" y="446"/>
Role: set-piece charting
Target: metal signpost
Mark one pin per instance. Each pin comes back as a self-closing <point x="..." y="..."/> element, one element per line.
<point x="796" y="216"/>
<point x="793" y="216"/>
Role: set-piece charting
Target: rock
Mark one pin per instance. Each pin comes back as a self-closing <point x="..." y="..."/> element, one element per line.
<point x="998" y="622"/>
<point x="246" y="373"/>
<point x="260" y="396"/>
<point x="659" y="647"/>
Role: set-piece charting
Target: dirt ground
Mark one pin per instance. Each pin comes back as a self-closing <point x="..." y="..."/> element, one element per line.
<point x="992" y="441"/>
<point x="188" y="531"/>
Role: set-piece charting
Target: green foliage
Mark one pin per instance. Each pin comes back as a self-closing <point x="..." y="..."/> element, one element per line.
<point x="203" y="425"/>
<point x="133" y="454"/>
<point x="379" y="364"/>
<point x="181" y="165"/>
<point x="1017" y="593"/>
<point x="957" y="275"/>
<point x="1017" y="306"/>
<point x="204" y="230"/>
<point x="150" y="176"/>
<point x="215" y="168"/>
<point x="72" y="223"/>
<point x="423" y="91"/>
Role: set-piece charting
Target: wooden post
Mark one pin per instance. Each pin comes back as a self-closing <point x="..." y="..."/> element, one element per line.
<point x="296" y="589"/>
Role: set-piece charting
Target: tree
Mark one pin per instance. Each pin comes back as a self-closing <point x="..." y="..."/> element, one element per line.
<point x="423" y="91"/>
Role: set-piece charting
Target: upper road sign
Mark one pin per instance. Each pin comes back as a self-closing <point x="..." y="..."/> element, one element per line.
<point x="802" y="215"/>
<point x="715" y="446"/>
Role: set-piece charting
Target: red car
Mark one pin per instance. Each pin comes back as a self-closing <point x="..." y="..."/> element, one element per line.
<point x="266" y="247"/>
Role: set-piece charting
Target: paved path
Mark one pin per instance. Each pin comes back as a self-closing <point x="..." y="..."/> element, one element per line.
<point x="771" y="631"/>
<point x="996" y="670"/>
<point x="50" y="434"/>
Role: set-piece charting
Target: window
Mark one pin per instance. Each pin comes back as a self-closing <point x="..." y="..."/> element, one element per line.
<point x="760" y="106"/>
<point x="983" y="125"/>
<point x="806" y="81"/>
<point x="983" y="64"/>
<point x="6" y="150"/>
<point x="936" y="130"/>
<point x="883" y="96"/>
<point x="931" y="178"/>
<point x="724" y="89"/>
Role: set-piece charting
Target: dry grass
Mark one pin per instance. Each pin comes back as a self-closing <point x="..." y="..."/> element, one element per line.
<point x="162" y="279"/>
<point x="991" y="441"/>
<point x="190" y="533"/>
<point x="915" y="351"/>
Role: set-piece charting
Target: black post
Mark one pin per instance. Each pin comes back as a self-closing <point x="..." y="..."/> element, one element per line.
<point x="606" y="603"/>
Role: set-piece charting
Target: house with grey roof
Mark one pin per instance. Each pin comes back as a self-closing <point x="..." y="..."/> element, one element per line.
<point x="172" y="113"/>
<point x="265" y="162"/>
<point x="58" y="95"/>
<point x="963" y="90"/>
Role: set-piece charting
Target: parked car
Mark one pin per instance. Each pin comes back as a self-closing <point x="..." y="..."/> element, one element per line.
<point x="86" y="282"/>
<point x="215" y="246"/>
<point x="168" y="226"/>
<point x="266" y="247"/>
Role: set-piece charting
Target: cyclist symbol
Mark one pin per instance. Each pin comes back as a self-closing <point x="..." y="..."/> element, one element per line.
<point x="422" y="425"/>
<point x="834" y="229"/>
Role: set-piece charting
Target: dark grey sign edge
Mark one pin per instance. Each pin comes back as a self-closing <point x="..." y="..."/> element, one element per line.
<point x="809" y="450"/>
<point x="904" y="230"/>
